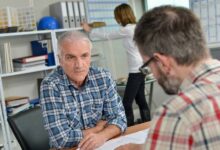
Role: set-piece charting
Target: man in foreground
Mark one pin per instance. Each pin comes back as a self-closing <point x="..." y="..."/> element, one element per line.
<point x="80" y="103"/>
<point x="172" y="44"/>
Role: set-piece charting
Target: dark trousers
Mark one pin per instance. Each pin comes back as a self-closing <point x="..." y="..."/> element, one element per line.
<point x="135" y="90"/>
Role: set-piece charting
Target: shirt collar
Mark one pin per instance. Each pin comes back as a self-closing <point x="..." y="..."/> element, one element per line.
<point x="67" y="82"/>
<point x="199" y="72"/>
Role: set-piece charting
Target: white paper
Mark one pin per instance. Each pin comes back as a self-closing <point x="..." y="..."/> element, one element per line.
<point x="137" y="138"/>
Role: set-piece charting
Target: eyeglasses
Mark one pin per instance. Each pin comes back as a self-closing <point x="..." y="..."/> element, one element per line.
<point x="144" y="69"/>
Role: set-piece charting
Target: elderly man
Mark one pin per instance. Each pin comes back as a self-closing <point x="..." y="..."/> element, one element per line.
<point x="171" y="42"/>
<point x="80" y="103"/>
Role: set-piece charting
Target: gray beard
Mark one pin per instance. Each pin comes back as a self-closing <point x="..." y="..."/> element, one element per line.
<point x="170" y="85"/>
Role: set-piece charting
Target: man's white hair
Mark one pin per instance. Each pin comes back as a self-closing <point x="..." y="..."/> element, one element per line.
<point x="72" y="36"/>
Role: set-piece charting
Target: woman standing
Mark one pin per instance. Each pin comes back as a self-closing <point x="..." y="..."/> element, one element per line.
<point x="135" y="85"/>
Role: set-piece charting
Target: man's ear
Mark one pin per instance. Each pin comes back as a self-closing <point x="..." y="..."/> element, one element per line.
<point x="164" y="62"/>
<point x="59" y="58"/>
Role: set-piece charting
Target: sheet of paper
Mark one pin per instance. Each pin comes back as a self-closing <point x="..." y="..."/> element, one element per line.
<point x="137" y="138"/>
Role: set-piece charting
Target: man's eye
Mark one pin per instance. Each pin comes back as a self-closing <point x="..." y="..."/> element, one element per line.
<point x="85" y="55"/>
<point x="69" y="57"/>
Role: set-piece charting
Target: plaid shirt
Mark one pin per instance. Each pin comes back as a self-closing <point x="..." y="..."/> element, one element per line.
<point x="68" y="110"/>
<point x="191" y="119"/>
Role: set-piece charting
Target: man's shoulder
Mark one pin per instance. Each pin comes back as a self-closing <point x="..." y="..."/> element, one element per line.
<point x="55" y="76"/>
<point x="100" y="77"/>
<point x="98" y="71"/>
<point x="184" y="101"/>
<point x="194" y="102"/>
<point x="179" y="105"/>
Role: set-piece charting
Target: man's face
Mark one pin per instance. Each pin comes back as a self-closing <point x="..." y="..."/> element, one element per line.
<point x="170" y="84"/>
<point x="75" y="60"/>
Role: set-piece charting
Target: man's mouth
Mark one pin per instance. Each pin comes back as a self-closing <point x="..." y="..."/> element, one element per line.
<point x="78" y="71"/>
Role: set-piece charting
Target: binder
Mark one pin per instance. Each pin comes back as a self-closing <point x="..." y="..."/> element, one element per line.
<point x="82" y="11"/>
<point x="59" y="11"/>
<point x="76" y="12"/>
<point x="70" y="14"/>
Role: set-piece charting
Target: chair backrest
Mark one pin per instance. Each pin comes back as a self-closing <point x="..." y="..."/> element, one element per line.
<point x="28" y="128"/>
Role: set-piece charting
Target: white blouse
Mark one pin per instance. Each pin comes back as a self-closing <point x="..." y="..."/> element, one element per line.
<point x="126" y="33"/>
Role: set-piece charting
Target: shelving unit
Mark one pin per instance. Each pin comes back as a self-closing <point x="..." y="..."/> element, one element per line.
<point x="9" y="78"/>
<point x="14" y="38"/>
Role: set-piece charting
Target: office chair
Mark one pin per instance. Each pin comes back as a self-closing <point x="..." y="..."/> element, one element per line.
<point x="28" y="128"/>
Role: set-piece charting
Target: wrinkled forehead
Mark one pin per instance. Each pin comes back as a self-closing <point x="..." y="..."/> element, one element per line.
<point x="75" y="46"/>
<point x="76" y="41"/>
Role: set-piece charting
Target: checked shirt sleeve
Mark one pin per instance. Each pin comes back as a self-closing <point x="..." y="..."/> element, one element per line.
<point x="55" y="121"/>
<point x="113" y="107"/>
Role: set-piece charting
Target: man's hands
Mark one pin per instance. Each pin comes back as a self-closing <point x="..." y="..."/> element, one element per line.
<point x="98" y="128"/>
<point x="101" y="124"/>
<point x="92" y="141"/>
<point x="91" y="138"/>
<point x="97" y="136"/>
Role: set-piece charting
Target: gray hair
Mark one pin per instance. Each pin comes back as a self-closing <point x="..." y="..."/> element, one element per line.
<point x="172" y="31"/>
<point x="72" y="36"/>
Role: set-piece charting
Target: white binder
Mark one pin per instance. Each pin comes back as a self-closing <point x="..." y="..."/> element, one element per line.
<point x="59" y="11"/>
<point x="71" y="15"/>
<point x="82" y="11"/>
<point x="76" y="12"/>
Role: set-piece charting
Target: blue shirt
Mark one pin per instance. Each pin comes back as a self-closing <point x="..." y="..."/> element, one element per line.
<point x="68" y="110"/>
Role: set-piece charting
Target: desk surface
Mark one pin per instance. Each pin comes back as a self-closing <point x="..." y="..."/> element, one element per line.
<point x="137" y="127"/>
<point x="131" y="129"/>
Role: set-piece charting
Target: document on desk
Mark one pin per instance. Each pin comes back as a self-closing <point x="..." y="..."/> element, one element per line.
<point x="137" y="138"/>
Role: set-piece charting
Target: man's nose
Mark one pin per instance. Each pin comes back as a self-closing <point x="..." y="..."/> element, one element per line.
<point x="78" y="63"/>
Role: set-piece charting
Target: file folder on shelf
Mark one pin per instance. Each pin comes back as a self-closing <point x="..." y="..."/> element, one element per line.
<point x="59" y="11"/>
<point x="82" y="11"/>
<point x="76" y="12"/>
<point x="71" y="15"/>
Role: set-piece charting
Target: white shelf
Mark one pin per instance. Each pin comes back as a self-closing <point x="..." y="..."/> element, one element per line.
<point x="3" y="35"/>
<point x="68" y="29"/>
<point x="37" y="69"/>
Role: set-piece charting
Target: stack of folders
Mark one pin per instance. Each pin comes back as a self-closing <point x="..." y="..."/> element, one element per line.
<point x="16" y="104"/>
<point x="28" y="62"/>
<point x="70" y="14"/>
<point x="6" y="65"/>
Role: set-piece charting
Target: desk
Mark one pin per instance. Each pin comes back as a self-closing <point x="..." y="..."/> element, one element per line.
<point x="137" y="127"/>
<point x="148" y="81"/>
<point x="131" y="129"/>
